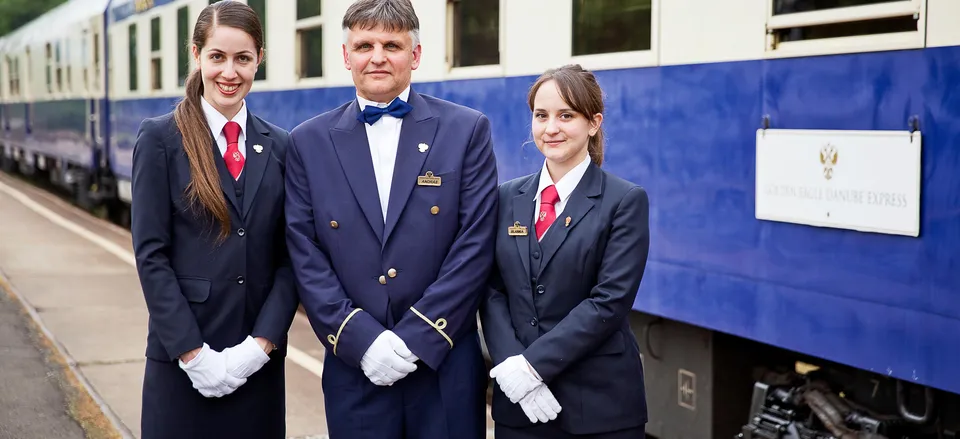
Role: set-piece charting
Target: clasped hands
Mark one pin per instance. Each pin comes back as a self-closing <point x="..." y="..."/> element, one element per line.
<point x="520" y="383"/>
<point x="387" y="360"/>
<point x="216" y="374"/>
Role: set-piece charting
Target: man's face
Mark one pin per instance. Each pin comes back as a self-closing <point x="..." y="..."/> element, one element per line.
<point x="381" y="62"/>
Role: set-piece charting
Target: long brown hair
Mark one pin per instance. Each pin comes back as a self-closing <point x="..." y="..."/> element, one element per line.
<point x="581" y="91"/>
<point x="204" y="188"/>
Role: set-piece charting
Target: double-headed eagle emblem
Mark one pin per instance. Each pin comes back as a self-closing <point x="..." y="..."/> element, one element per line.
<point x="828" y="158"/>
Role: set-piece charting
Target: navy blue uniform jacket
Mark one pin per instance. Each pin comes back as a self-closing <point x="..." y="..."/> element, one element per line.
<point x="197" y="290"/>
<point x="420" y="273"/>
<point x="563" y="302"/>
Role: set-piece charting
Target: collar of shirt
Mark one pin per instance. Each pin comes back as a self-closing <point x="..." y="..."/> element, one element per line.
<point x="364" y="102"/>
<point x="567" y="183"/>
<point x="216" y="120"/>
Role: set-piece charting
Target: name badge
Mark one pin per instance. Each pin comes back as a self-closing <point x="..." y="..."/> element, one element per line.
<point x="428" y="180"/>
<point x="517" y="229"/>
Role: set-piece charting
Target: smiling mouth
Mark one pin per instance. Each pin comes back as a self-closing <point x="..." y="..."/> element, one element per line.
<point x="228" y="89"/>
<point x="553" y="142"/>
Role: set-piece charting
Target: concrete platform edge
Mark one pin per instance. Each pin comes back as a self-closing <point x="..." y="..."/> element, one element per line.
<point x="7" y="286"/>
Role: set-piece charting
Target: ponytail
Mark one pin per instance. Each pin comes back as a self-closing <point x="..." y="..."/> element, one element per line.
<point x="595" y="147"/>
<point x="204" y="187"/>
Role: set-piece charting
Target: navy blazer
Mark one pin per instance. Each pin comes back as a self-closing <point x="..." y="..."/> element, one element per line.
<point x="422" y="272"/>
<point x="198" y="290"/>
<point x="563" y="302"/>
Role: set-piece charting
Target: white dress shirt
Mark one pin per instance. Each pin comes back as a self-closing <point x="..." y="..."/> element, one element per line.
<point x="217" y="121"/>
<point x="565" y="187"/>
<point x="383" y="138"/>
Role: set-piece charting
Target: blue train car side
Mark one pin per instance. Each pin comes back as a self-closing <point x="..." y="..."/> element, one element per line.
<point x="736" y="316"/>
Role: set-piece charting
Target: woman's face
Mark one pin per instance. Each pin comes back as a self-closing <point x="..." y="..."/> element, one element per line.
<point x="560" y="133"/>
<point x="227" y="62"/>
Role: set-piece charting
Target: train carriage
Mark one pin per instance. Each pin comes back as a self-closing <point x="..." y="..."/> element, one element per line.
<point x="692" y="86"/>
<point x="53" y="93"/>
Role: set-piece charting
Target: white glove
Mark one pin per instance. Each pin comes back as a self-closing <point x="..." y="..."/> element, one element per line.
<point x="208" y="372"/>
<point x="386" y="360"/>
<point x="540" y="404"/>
<point x="516" y="377"/>
<point x="245" y="358"/>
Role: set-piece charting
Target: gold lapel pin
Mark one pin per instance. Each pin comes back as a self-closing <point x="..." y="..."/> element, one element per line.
<point x="566" y="222"/>
<point x="258" y="148"/>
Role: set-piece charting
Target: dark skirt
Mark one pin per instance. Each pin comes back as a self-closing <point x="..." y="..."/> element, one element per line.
<point x="551" y="430"/>
<point x="172" y="408"/>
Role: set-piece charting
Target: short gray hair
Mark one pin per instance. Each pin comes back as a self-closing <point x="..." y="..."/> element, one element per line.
<point x="391" y="15"/>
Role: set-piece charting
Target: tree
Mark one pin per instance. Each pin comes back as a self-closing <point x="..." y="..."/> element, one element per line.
<point x="16" y="13"/>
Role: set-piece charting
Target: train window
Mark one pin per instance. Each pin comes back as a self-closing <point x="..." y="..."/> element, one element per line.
<point x="183" y="44"/>
<point x="85" y="58"/>
<point x="49" y="68"/>
<point x="606" y="26"/>
<point x="13" y="67"/>
<point x="132" y="39"/>
<point x="96" y="61"/>
<point x="58" y="62"/>
<point x="156" y="70"/>
<point x="474" y="32"/>
<point x="307" y="8"/>
<point x="65" y="65"/>
<point x="807" y="27"/>
<point x="155" y="34"/>
<point x="309" y="39"/>
<point x="793" y="6"/>
<point x="260" y="7"/>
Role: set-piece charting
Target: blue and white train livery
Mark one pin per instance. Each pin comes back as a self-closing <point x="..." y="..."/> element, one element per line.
<point x="850" y="331"/>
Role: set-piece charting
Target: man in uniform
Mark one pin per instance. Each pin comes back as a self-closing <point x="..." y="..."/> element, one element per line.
<point x="391" y="208"/>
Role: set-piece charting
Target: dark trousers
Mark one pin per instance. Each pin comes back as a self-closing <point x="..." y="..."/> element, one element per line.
<point x="445" y="404"/>
<point x="551" y="430"/>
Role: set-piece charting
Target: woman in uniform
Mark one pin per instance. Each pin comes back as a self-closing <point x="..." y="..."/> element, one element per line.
<point x="208" y="233"/>
<point x="572" y="244"/>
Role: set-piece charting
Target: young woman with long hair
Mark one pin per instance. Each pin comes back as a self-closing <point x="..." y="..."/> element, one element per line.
<point x="208" y="233"/>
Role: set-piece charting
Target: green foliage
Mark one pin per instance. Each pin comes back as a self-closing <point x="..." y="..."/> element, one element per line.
<point x="16" y="13"/>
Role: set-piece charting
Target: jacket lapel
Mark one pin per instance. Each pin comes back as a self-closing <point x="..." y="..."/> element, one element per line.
<point x="353" y="151"/>
<point x="523" y="213"/>
<point x="256" y="162"/>
<point x="582" y="199"/>
<point x="420" y="126"/>
<point x="226" y="180"/>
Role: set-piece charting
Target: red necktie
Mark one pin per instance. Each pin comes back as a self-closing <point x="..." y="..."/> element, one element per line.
<point x="548" y="198"/>
<point x="232" y="157"/>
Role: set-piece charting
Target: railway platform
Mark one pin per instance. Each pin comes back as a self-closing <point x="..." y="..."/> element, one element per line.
<point x="72" y="277"/>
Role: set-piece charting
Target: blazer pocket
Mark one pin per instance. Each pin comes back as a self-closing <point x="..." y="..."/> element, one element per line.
<point x="195" y="290"/>
<point x="613" y="345"/>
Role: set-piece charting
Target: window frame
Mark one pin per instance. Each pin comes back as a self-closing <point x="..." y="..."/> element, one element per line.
<point x="483" y="70"/>
<point x="621" y="60"/>
<point x="184" y="58"/>
<point x="133" y="58"/>
<point x="840" y="45"/>
<point x="264" y="21"/>
<point x="300" y="26"/>
<point x="473" y="72"/>
<point x="156" y="55"/>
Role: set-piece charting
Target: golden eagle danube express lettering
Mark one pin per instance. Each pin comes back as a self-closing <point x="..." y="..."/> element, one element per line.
<point x="896" y="200"/>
